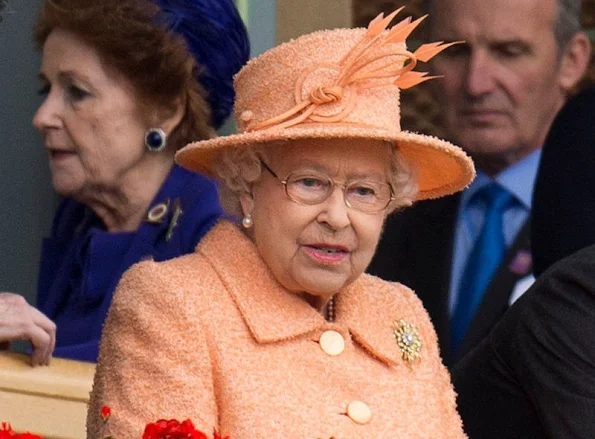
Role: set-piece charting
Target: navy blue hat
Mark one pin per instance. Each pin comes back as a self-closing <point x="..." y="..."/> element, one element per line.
<point x="218" y="41"/>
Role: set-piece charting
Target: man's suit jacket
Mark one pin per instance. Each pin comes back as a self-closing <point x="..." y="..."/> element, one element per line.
<point x="416" y="249"/>
<point x="534" y="375"/>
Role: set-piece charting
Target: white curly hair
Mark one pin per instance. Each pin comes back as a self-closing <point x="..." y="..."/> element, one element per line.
<point x="239" y="168"/>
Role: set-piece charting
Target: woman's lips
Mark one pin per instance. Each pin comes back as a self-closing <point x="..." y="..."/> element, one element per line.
<point x="57" y="154"/>
<point x="326" y="254"/>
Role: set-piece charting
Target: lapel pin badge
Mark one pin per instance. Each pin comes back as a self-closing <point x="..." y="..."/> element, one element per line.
<point x="408" y="340"/>
<point x="522" y="263"/>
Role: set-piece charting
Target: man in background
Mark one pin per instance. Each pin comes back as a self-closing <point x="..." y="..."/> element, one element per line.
<point x="467" y="256"/>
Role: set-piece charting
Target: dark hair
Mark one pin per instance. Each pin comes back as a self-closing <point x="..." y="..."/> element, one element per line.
<point x="167" y="49"/>
<point x="568" y="21"/>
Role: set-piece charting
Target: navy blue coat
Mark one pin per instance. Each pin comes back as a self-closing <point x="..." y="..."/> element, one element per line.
<point x="81" y="263"/>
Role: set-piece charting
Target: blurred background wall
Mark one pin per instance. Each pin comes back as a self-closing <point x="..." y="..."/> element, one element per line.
<point x="26" y="197"/>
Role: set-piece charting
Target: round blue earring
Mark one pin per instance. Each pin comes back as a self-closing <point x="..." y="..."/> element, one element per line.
<point x="155" y="139"/>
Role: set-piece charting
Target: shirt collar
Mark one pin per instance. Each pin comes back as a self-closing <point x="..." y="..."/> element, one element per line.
<point x="274" y="314"/>
<point x="517" y="179"/>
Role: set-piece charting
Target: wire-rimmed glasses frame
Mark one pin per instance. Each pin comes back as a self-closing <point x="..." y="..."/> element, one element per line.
<point x="382" y="198"/>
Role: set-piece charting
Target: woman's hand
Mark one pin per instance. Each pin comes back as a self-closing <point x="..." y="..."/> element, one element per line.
<point x="21" y="321"/>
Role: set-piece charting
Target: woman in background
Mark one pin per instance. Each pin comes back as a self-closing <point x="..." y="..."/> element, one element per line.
<point x="126" y="83"/>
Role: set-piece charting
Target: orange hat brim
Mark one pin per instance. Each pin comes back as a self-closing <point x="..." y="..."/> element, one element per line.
<point x="442" y="168"/>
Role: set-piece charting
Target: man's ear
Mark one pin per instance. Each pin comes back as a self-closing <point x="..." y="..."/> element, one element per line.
<point x="247" y="203"/>
<point x="575" y="60"/>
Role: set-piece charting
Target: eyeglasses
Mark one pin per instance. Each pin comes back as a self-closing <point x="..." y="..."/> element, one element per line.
<point x="312" y="188"/>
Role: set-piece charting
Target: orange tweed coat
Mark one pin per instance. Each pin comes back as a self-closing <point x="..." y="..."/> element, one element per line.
<point x="213" y="337"/>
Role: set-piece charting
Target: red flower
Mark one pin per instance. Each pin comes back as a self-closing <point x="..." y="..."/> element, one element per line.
<point x="7" y="433"/>
<point x="106" y="412"/>
<point x="172" y="429"/>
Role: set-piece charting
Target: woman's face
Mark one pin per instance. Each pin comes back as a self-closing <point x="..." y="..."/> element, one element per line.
<point x="317" y="249"/>
<point x="91" y="125"/>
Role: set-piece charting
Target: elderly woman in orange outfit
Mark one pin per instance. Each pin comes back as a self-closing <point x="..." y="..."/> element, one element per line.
<point x="271" y="328"/>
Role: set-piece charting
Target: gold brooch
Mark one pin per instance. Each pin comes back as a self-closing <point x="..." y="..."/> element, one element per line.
<point x="408" y="340"/>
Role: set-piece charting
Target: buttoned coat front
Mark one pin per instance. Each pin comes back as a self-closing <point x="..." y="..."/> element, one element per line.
<point x="212" y="336"/>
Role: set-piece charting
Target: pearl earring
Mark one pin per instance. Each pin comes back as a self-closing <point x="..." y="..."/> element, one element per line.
<point x="247" y="221"/>
<point x="155" y="139"/>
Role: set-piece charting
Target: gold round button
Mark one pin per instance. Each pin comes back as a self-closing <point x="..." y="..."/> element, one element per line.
<point x="332" y="343"/>
<point x="359" y="412"/>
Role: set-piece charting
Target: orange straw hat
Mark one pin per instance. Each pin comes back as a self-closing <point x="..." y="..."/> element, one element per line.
<point x="338" y="84"/>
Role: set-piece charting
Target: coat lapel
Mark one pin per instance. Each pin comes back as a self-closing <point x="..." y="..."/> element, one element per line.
<point x="73" y="219"/>
<point x="274" y="314"/>
<point x="371" y="309"/>
<point x="159" y="240"/>
<point x="515" y="266"/>
<point x="271" y="312"/>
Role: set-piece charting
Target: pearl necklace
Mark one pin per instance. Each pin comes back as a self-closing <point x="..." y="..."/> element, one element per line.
<point x="330" y="309"/>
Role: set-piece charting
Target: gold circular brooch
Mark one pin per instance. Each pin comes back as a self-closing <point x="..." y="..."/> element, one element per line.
<point x="408" y="340"/>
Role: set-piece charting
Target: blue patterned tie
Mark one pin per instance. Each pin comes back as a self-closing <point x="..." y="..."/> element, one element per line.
<point x="483" y="261"/>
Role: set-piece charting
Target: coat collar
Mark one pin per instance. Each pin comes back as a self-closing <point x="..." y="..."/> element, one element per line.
<point x="74" y="220"/>
<point x="169" y="197"/>
<point x="368" y="307"/>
